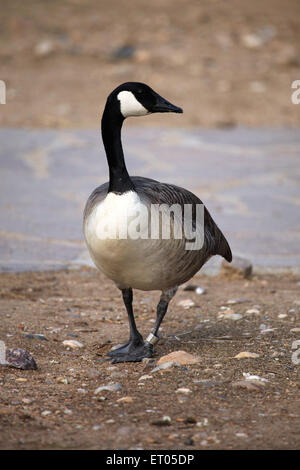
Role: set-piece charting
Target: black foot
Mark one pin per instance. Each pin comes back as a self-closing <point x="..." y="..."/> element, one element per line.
<point x="121" y="350"/>
<point x="131" y="352"/>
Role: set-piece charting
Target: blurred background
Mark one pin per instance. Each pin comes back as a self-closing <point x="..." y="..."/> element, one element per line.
<point x="227" y="63"/>
<point x="230" y="66"/>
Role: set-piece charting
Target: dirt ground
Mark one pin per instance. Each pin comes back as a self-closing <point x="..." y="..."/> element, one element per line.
<point x="226" y="63"/>
<point x="55" y="407"/>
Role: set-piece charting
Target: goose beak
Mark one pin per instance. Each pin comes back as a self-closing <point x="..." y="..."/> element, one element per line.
<point x="164" y="106"/>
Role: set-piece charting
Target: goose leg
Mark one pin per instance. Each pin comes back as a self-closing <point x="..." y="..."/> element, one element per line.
<point x="162" y="308"/>
<point x="136" y="349"/>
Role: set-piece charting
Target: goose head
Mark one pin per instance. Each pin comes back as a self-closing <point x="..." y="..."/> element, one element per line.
<point x="138" y="99"/>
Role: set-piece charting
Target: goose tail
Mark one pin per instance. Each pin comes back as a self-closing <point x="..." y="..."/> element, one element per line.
<point x="225" y="250"/>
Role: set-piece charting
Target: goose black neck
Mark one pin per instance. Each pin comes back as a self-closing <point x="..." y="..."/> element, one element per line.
<point x="111" y="125"/>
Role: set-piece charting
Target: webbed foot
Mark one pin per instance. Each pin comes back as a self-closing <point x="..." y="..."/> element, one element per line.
<point x="132" y="352"/>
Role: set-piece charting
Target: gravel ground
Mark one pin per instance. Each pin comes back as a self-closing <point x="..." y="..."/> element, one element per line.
<point x="55" y="406"/>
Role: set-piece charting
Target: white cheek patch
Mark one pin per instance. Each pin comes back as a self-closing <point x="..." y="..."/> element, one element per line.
<point x="130" y="106"/>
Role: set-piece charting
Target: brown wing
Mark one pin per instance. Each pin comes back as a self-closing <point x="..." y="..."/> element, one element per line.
<point x="163" y="193"/>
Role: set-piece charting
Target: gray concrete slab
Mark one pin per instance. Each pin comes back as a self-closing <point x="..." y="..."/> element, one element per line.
<point x="248" y="178"/>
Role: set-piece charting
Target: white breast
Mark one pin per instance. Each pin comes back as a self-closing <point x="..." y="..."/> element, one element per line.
<point x="119" y="257"/>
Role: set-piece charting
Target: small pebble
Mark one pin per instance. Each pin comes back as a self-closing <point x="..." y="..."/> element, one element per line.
<point x="236" y="301"/>
<point x="101" y="398"/>
<point x="145" y="377"/>
<point x="295" y="330"/>
<point x="190" y="420"/>
<point x="62" y="380"/>
<point x="96" y="427"/>
<point x="252" y="41"/>
<point x="72" y="343"/>
<point x="230" y="316"/>
<point x="206" y="383"/>
<point x="36" y="336"/>
<point x="116" y="375"/>
<point x="181" y="357"/>
<point x="164" y="421"/>
<point x="249" y="376"/>
<point x="189" y="442"/>
<point x="20" y="359"/>
<point x="198" y="289"/>
<point x="46" y="413"/>
<point x="124" y="52"/>
<point x="268" y="330"/>
<point x="44" y="48"/>
<point x="251" y="382"/>
<point x="245" y="354"/>
<point x="185" y="391"/>
<point x="125" y="400"/>
<point x="113" y="387"/>
<point x="186" y="303"/>
<point x="265" y="329"/>
<point x="27" y="401"/>
<point x="248" y="385"/>
<point x="199" y="424"/>
<point x="253" y="311"/>
<point x="277" y="354"/>
<point x="165" y="365"/>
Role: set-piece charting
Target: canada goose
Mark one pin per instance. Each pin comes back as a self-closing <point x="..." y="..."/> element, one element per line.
<point x="142" y="263"/>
